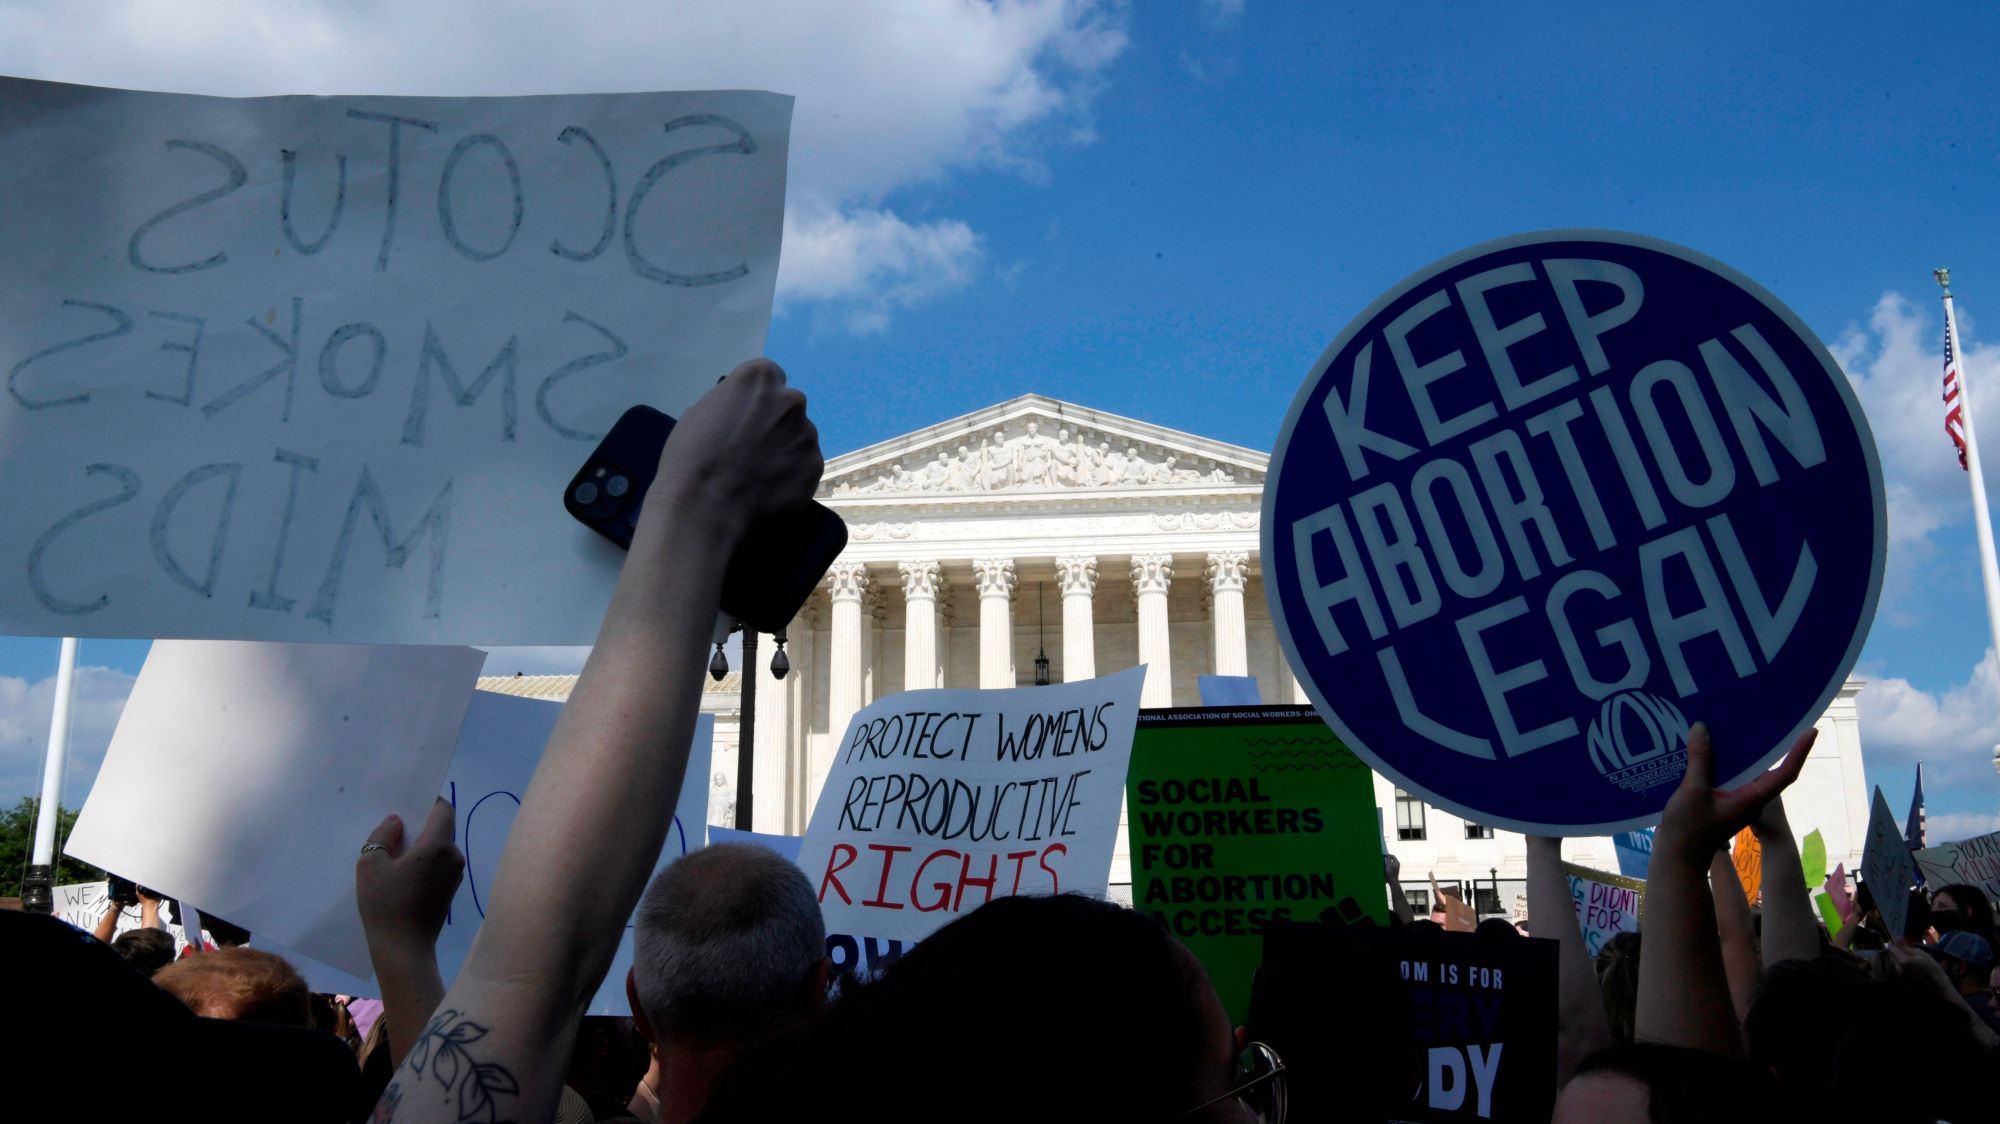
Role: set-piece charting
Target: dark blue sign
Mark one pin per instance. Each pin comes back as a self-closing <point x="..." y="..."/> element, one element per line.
<point x="1634" y="848"/>
<point x="1554" y="499"/>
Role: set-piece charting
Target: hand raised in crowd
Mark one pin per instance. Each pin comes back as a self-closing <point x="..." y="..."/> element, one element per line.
<point x="1700" y="818"/>
<point x="149" y="909"/>
<point x="1684" y="997"/>
<point x="617" y="756"/>
<point x="404" y="894"/>
<point x="1914" y="964"/>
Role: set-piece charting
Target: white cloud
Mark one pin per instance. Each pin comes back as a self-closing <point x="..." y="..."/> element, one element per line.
<point x="869" y="262"/>
<point x="892" y="94"/>
<point x="1895" y="364"/>
<point x="95" y="704"/>
<point x="1953" y="826"/>
<point x="1952" y="731"/>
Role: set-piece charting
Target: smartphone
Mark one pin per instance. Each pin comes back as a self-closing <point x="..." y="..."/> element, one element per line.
<point x="122" y="891"/>
<point x="776" y="566"/>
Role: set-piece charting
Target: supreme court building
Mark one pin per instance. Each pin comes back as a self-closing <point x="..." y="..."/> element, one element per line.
<point x="1040" y="528"/>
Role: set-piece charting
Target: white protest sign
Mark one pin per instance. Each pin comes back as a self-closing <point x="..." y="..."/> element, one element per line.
<point x="499" y="746"/>
<point x="244" y="776"/>
<point x="1973" y="862"/>
<point x="319" y="368"/>
<point x="1886" y="866"/>
<point x="939" y="801"/>
<point x="1606" y="904"/>
<point x="83" y="903"/>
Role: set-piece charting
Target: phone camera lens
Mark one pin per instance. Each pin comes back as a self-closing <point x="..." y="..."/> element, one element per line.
<point x="586" y="493"/>
<point x="616" y="486"/>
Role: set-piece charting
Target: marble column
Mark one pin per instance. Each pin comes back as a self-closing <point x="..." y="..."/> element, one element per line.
<point x="1151" y="575"/>
<point x="920" y="612"/>
<point x="781" y="736"/>
<point x="996" y="621"/>
<point x="1226" y="571"/>
<point x="1077" y="578"/>
<point x="847" y="584"/>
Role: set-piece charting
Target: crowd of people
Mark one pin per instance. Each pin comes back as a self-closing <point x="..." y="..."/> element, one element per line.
<point x="1046" y="1008"/>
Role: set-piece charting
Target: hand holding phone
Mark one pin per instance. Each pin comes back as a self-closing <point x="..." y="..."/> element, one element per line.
<point x="774" y="568"/>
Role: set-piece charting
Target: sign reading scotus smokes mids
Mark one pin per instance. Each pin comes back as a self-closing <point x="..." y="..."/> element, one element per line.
<point x="940" y="801"/>
<point x="318" y="368"/>
<point x="1550" y="501"/>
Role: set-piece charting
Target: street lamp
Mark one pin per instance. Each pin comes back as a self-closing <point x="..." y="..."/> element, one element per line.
<point x="746" y="722"/>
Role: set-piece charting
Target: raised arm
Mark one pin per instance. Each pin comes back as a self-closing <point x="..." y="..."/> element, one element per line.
<point x="1399" y="902"/>
<point x="593" y="819"/>
<point x="404" y="893"/>
<point x="149" y="910"/>
<point x="1735" y="931"/>
<point x="1791" y="925"/>
<point x="107" y="922"/>
<point x="1683" y="993"/>
<point x="1582" y="1028"/>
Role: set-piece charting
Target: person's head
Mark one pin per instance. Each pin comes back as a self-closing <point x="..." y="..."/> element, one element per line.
<point x="1344" y="1068"/>
<point x="1132" y="1027"/>
<point x="1618" y="977"/>
<point x="147" y="950"/>
<point x="727" y="942"/>
<point x="1660" y="1084"/>
<point x="1959" y="906"/>
<point x="1967" y="960"/>
<point x="1802" y="1011"/>
<point x="97" y="1024"/>
<point x="1497" y="928"/>
<point x="239" y="983"/>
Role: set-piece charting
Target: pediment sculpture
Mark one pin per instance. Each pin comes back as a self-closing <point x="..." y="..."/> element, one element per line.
<point x="1029" y="460"/>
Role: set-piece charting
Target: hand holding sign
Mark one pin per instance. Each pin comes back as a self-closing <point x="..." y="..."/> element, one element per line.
<point x="1701" y="818"/>
<point x="404" y="891"/>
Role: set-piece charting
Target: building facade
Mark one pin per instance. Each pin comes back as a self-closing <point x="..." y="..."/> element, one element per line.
<point x="1042" y="530"/>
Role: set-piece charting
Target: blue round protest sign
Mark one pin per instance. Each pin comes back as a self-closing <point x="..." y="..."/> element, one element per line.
<point x="1552" y="500"/>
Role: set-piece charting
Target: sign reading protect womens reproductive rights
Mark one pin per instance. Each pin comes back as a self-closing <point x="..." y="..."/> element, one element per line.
<point x="1550" y="501"/>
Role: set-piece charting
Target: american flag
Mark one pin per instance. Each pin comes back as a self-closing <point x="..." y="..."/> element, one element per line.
<point x="1954" y="406"/>
<point x="1913" y="828"/>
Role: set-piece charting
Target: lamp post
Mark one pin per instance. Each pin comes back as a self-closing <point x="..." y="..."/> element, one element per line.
<point x="746" y="720"/>
<point x="1493" y="875"/>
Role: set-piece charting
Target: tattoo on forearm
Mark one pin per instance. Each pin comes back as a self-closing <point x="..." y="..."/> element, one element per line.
<point x="385" y="1108"/>
<point x="442" y="1052"/>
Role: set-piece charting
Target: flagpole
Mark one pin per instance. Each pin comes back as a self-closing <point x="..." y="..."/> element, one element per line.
<point x="38" y="888"/>
<point x="1982" y="522"/>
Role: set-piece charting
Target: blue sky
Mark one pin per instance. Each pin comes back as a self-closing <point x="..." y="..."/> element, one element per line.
<point x="1167" y="209"/>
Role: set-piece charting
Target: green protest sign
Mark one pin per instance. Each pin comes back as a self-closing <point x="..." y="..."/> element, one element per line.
<point x="1244" y="815"/>
<point x="1812" y="860"/>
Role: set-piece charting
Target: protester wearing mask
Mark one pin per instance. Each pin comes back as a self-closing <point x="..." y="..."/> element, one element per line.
<point x="1967" y="961"/>
<point x="1961" y="907"/>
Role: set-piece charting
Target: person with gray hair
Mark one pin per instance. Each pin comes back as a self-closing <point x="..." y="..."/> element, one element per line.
<point x="727" y="946"/>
